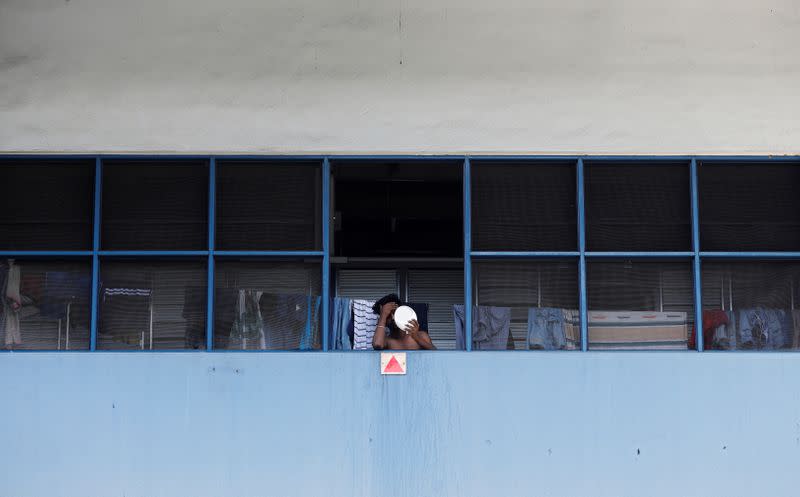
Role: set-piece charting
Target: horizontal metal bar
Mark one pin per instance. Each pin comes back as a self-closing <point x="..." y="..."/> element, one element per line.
<point x="511" y="158"/>
<point x="639" y="351"/>
<point x="639" y="254"/>
<point x="645" y="159"/>
<point x="357" y="158"/>
<point x="256" y="161"/>
<point x="36" y="351"/>
<point x="147" y="351"/>
<point x="45" y="253"/>
<point x="523" y="255"/>
<point x="750" y="255"/>
<point x="268" y="157"/>
<point x="275" y="351"/>
<point x="215" y="156"/>
<point x="47" y="156"/>
<point x="114" y="351"/>
<point x="152" y="253"/>
<point x="356" y="352"/>
<point x="153" y="156"/>
<point x="269" y="253"/>
<point x="156" y="161"/>
<point x="396" y="260"/>
<point x="748" y="158"/>
<point x="210" y="156"/>
<point x="411" y="157"/>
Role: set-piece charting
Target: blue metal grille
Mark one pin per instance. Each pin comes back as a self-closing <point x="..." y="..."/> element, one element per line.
<point x="765" y="206"/>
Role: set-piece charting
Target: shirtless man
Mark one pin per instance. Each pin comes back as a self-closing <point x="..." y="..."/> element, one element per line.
<point x="389" y="336"/>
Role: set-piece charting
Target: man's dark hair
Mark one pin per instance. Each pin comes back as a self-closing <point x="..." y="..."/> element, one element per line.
<point x="392" y="297"/>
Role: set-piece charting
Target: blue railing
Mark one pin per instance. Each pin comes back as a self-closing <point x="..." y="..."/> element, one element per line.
<point x="696" y="256"/>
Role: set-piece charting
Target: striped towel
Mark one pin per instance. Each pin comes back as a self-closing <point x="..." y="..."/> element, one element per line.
<point x="364" y="322"/>
<point x="128" y="292"/>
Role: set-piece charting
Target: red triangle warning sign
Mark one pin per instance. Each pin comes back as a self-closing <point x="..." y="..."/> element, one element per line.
<point x="393" y="363"/>
<point x="393" y="366"/>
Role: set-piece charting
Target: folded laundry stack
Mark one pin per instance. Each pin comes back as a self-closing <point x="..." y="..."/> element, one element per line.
<point x="621" y="330"/>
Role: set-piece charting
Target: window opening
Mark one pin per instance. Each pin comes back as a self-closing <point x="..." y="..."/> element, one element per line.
<point x="750" y="305"/>
<point x="525" y="305"/>
<point x="640" y="305"/>
<point x="397" y="230"/>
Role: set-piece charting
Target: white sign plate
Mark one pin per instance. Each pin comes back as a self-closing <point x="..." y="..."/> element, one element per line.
<point x="393" y="363"/>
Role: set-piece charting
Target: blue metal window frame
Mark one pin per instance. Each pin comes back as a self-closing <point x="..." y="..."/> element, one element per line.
<point x="696" y="255"/>
<point x="467" y="198"/>
<point x="583" y="299"/>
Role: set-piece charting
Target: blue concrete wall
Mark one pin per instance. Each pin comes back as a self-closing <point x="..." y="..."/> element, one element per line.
<point x="460" y="424"/>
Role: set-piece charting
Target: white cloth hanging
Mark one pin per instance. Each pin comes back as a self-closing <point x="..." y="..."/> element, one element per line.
<point x="364" y="323"/>
<point x="12" y="303"/>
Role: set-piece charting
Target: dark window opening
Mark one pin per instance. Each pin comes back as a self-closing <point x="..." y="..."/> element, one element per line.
<point x="155" y="206"/>
<point x="435" y="288"/>
<point x="526" y="305"/>
<point x="268" y="205"/>
<point x="47" y="204"/>
<point x="398" y="228"/>
<point x="520" y="206"/>
<point x="267" y="305"/>
<point x="398" y="209"/>
<point x="749" y="207"/>
<point x="751" y="305"/>
<point x="45" y="304"/>
<point x="638" y="207"/>
<point x="149" y="304"/>
<point x="639" y="305"/>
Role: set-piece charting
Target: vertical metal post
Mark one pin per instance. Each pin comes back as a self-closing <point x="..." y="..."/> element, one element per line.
<point x="538" y="285"/>
<point x="405" y="294"/>
<point x="212" y="227"/>
<point x="730" y="291"/>
<point x="698" y="289"/>
<point x="94" y="311"/>
<point x="150" y="323"/>
<point x="326" y="251"/>
<point x="69" y="311"/>
<point x="467" y="255"/>
<point x="584" y="313"/>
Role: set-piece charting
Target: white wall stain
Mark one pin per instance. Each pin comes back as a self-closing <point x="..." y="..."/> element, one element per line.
<point x="280" y="76"/>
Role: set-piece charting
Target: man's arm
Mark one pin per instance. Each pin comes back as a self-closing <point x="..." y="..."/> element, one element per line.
<point x="379" y="337"/>
<point x="422" y="338"/>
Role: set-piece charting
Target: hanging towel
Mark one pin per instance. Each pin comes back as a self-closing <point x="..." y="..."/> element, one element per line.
<point x="796" y="329"/>
<point x="364" y="323"/>
<point x="3" y="278"/>
<point x="490" y="327"/>
<point x="309" y="339"/>
<point x="546" y="328"/>
<point x="290" y="320"/>
<point x="572" y="328"/>
<point x="341" y="320"/>
<point x="247" y="331"/>
<point x="765" y="329"/>
<point x="12" y="303"/>
<point x="717" y="331"/>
